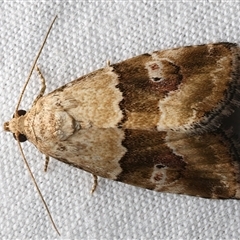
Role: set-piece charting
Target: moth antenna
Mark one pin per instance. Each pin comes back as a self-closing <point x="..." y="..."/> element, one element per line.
<point x="17" y="135"/>
<point x="36" y="185"/>
<point x="34" y="64"/>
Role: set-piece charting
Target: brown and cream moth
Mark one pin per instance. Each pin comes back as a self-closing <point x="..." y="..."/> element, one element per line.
<point x="151" y="121"/>
<point x="130" y="121"/>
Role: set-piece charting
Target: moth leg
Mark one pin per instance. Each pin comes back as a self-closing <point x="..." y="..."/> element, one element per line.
<point x="108" y="63"/>
<point x="46" y="163"/>
<point x="95" y="183"/>
<point x="43" y="85"/>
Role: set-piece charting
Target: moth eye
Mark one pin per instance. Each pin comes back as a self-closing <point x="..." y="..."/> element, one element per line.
<point x="21" y="137"/>
<point x="20" y="112"/>
<point x="160" y="166"/>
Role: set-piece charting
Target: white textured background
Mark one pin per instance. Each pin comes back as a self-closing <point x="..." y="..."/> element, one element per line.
<point x="85" y="35"/>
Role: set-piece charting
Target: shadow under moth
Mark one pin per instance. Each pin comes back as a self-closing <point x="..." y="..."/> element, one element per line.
<point x="152" y="121"/>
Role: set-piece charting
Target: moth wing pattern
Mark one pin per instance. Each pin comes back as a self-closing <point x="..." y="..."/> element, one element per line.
<point x="182" y="163"/>
<point x="195" y="84"/>
<point x="149" y="121"/>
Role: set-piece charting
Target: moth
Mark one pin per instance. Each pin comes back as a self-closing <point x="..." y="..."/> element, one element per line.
<point x="152" y="121"/>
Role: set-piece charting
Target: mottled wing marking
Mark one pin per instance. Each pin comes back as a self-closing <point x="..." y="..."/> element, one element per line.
<point x="94" y="150"/>
<point x="209" y="85"/>
<point x="196" y="85"/>
<point x="181" y="163"/>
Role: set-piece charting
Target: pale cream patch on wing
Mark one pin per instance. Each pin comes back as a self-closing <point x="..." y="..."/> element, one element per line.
<point x="175" y="110"/>
<point x="165" y="180"/>
<point x="95" y="150"/>
<point x="155" y="69"/>
<point x="96" y="99"/>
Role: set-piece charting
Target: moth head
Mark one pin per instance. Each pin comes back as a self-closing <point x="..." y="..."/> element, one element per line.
<point x="12" y="126"/>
